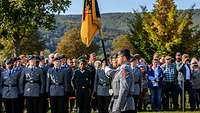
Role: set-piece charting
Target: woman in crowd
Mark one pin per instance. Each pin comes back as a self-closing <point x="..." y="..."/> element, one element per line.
<point x="155" y="76"/>
<point x="195" y="71"/>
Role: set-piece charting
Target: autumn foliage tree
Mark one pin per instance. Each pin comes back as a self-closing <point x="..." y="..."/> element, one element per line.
<point x="71" y="45"/>
<point x="165" y="30"/>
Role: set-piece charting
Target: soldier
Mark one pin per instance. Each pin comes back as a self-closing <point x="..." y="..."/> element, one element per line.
<point x="1" y="69"/>
<point x="57" y="87"/>
<point x="32" y="85"/>
<point x="82" y="84"/>
<point x="123" y="86"/>
<point x="18" y="67"/>
<point x="101" y="88"/>
<point x="10" y="82"/>
<point x="137" y="79"/>
<point x="44" y="98"/>
<point x="69" y="74"/>
<point x="91" y="68"/>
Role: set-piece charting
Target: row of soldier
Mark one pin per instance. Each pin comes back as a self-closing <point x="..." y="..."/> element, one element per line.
<point x="120" y="87"/>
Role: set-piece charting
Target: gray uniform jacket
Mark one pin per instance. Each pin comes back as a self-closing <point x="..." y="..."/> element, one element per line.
<point x="101" y="83"/>
<point x="123" y="88"/>
<point x="137" y="80"/>
<point x="32" y="82"/>
<point x="57" y="82"/>
<point x="10" y="83"/>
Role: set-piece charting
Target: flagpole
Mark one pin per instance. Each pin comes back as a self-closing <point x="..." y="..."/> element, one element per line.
<point x="103" y="46"/>
<point x="183" y="97"/>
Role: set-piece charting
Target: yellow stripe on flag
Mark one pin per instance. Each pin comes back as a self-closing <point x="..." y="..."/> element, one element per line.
<point x="91" y="21"/>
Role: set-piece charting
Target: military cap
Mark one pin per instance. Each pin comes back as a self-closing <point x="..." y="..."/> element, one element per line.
<point x="16" y="59"/>
<point x="124" y="52"/>
<point x="137" y="56"/>
<point x="37" y="58"/>
<point x="9" y="61"/>
<point x="93" y="54"/>
<point x="31" y="57"/>
<point x="42" y="58"/>
<point x="57" y="58"/>
<point x="132" y="58"/>
<point x="62" y="56"/>
<point x="141" y="65"/>
<point x="82" y="59"/>
<point x="114" y="57"/>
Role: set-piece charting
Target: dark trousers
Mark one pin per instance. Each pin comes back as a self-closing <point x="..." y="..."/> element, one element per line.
<point x="57" y="104"/>
<point x="156" y="98"/>
<point x="103" y="103"/>
<point x="170" y="92"/>
<point x="33" y="104"/>
<point x="11" y="105"/>
<point x="21" y="104"/>
<point x="83" y="100"/>
<point x="141" y="101"/>
<point x="197" y="97"/>
<point x="1" y="104"/>
<point x="43" y="104"/>
<point x="190" y="91"/>
<point x="136" y="98"/>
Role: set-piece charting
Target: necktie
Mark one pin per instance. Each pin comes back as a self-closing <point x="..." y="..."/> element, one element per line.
<point x="9" y="73"/>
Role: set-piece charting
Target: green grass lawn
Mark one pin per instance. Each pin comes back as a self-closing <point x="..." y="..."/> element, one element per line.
<point x="163" y="112"/>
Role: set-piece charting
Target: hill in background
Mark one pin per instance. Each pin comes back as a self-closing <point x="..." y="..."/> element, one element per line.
<point x="114" y="25"/>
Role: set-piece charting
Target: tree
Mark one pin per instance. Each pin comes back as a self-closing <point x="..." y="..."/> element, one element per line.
<point x="122" y="42"/>
<point x="7" y="49"/>
<point x="17" y="17"/>
<point x="165" y="26"/>
<point x="33" y="43"/>
<point x="138" y="36"/>
<point x="71" y="45"/>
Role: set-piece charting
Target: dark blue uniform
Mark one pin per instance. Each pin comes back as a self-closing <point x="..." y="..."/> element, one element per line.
<point x="82" y="84"/>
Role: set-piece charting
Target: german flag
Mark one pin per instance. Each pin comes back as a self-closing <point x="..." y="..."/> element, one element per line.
<point x="91" y="21"/>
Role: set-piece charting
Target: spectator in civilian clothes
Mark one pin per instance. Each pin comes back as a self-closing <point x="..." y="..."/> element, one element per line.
<point x="169" y="89"/>
<point x="155" y="76"/>
<point x="186" y="72"/>
<point x="195" y="71"/>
